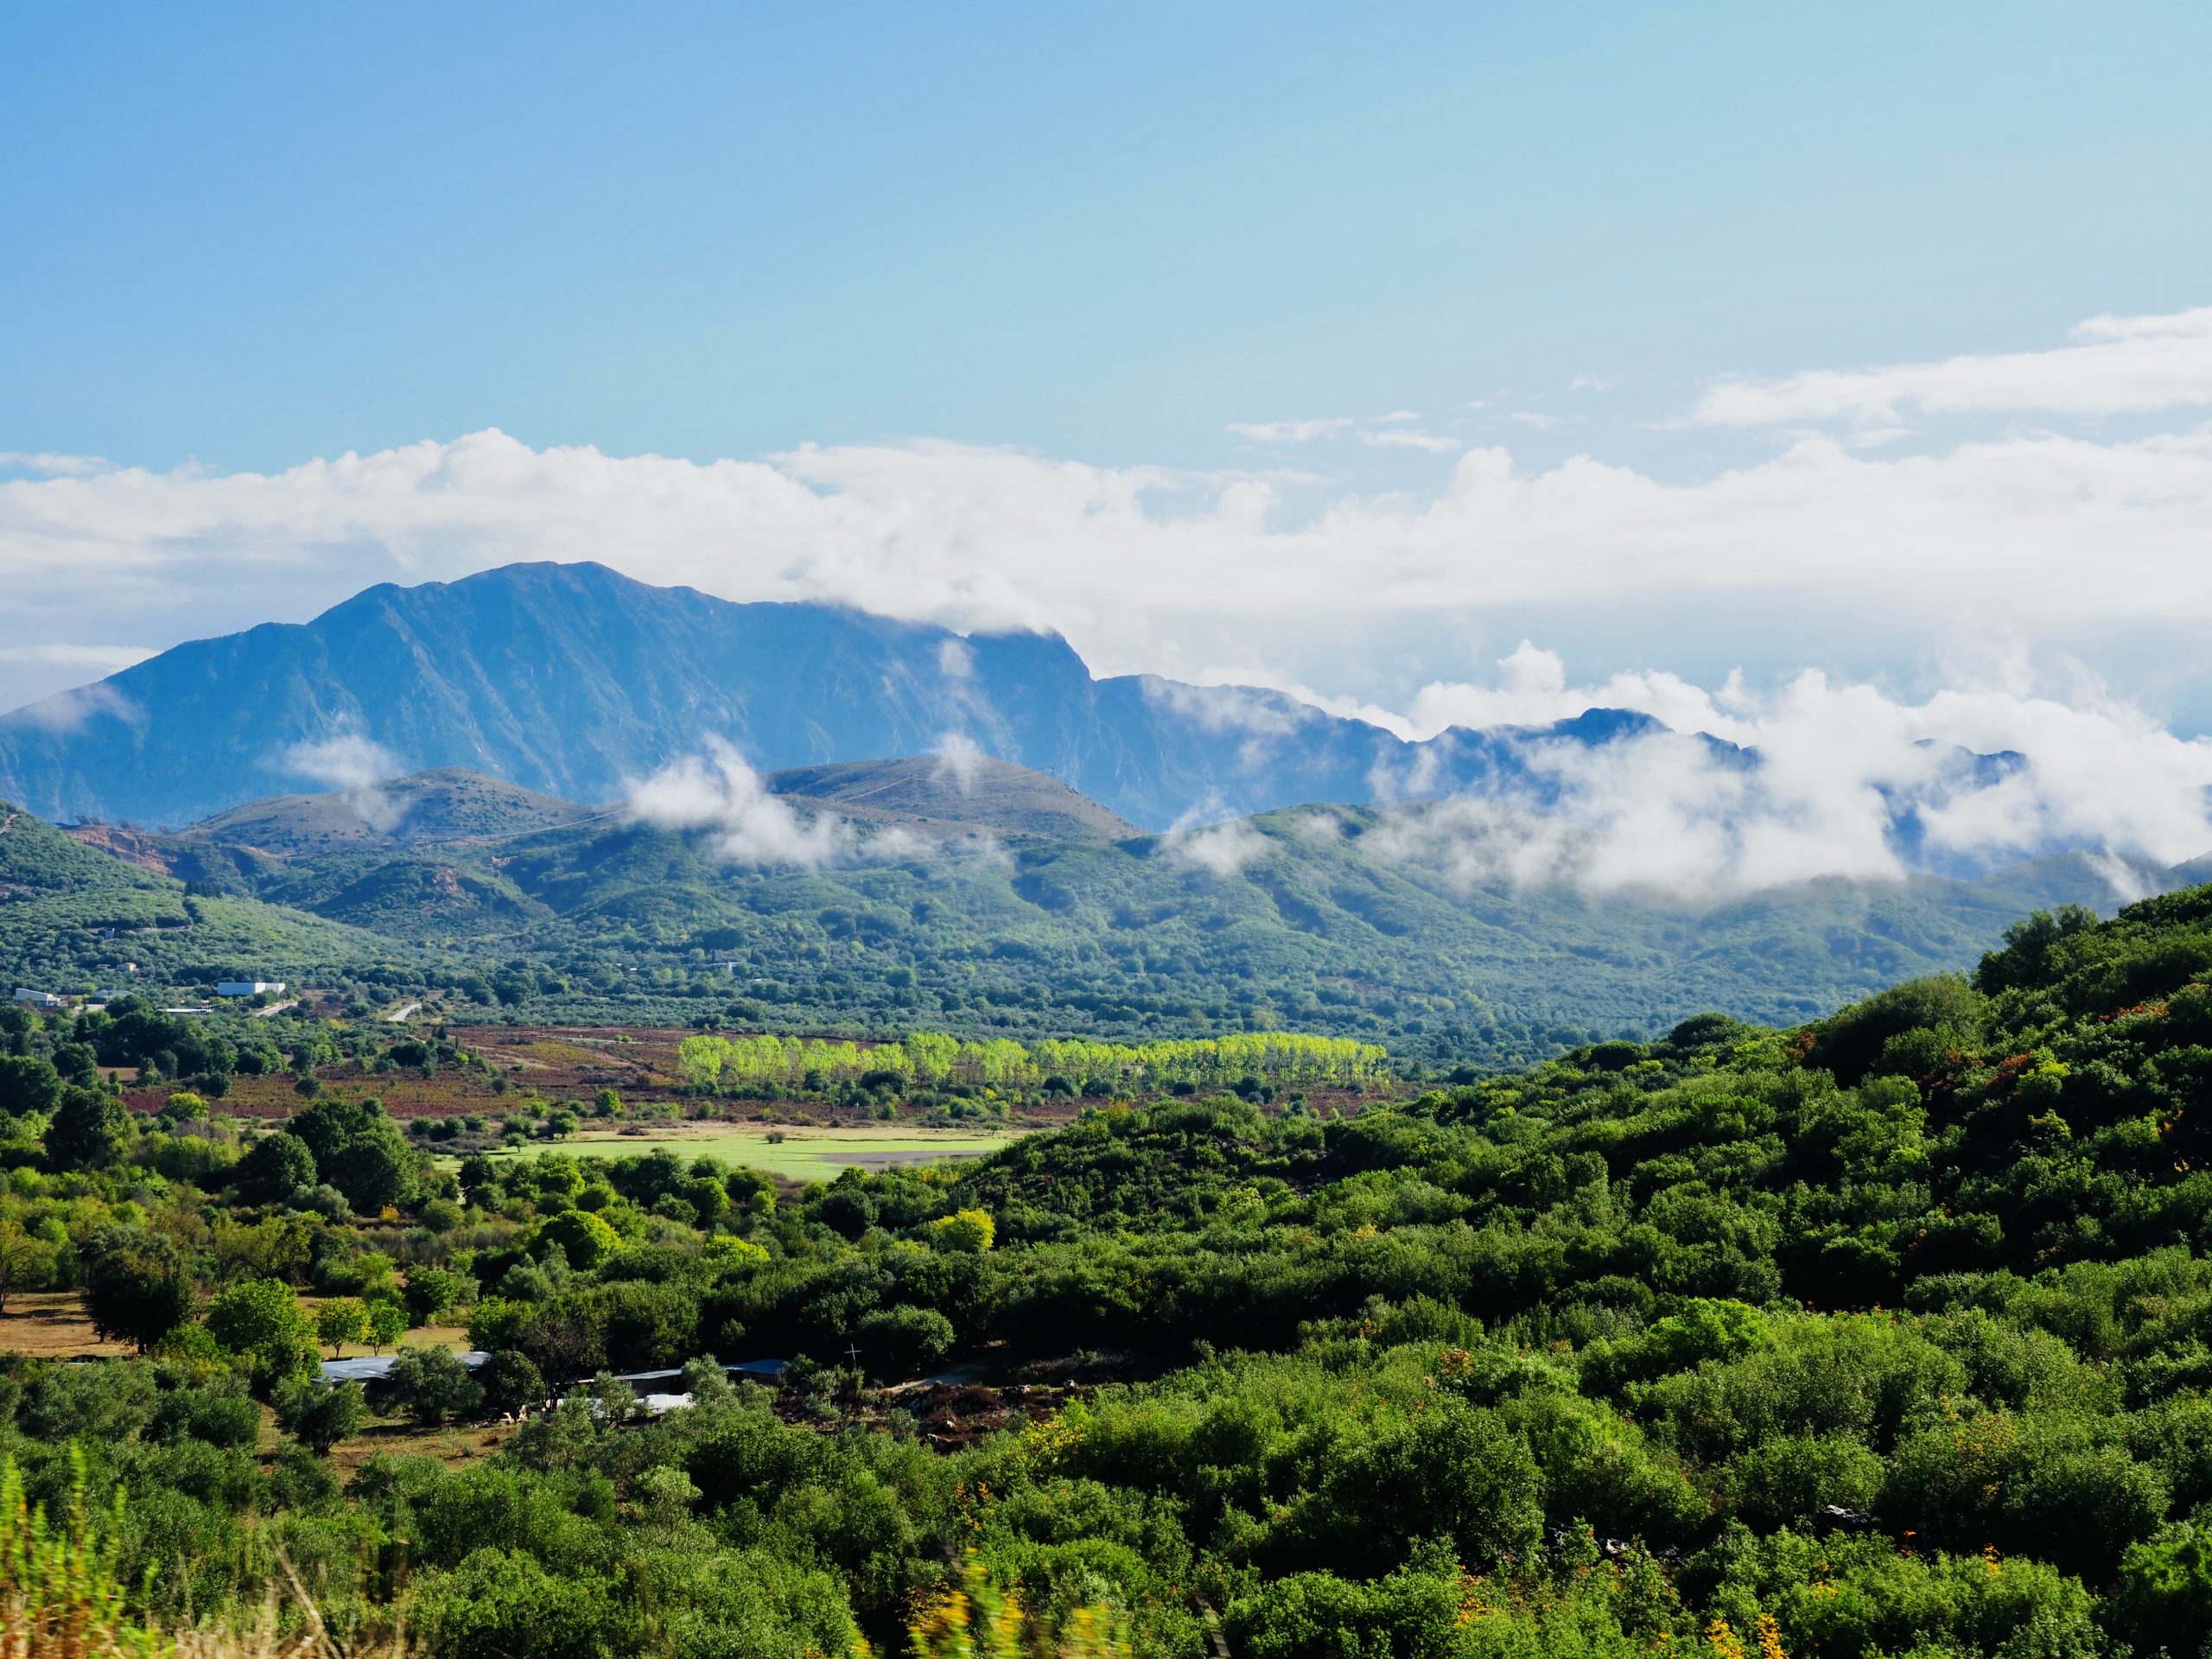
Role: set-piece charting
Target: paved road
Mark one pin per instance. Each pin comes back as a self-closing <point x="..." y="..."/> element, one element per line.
<point x="274" y="1008"/>
<point x="399" y="1016"/>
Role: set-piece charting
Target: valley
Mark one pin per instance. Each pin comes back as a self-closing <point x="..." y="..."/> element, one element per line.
<point x="999" y="902"/>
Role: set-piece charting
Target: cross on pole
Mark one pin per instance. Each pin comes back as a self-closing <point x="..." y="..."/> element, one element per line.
<point x="853" y="1353"/>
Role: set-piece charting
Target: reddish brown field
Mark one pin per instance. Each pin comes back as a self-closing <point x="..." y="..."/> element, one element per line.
<point x="559" y="1062"/>
<point x="572" y="1063"/>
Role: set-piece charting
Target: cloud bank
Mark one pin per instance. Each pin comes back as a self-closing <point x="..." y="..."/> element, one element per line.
<point x="719" y="792"/>
<point x="1843" y="780"/>
<point x="2038" y="527"/>
<point x="2035" y="531"/>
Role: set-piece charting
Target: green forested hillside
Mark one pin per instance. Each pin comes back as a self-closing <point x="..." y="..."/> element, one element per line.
<point x="1330" y="919"/>
<point x="70" y="916"/>
<point x="1312" y="932"/>
<point x="935" y="796"/>
<point x="1880" y="1337"/>
<point x="426" y="808"/>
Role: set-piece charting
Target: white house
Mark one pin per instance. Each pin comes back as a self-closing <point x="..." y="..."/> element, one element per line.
<point x="31" y="999"/>
<point x="250" y="987"/>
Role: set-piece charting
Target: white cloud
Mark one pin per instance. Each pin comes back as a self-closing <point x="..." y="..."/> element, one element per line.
<point x="353" y="764"/>
<point x="1222" y="849"/>
<point x="54" y="465"/>
<point x="2115" y="365"/>
<point x="2034" y="534"/>
<point x="1589" y="383"/>
<point x="1532" y="690"/>
<point x="719" y="791"/>
<point x="347" y="760"/>
<point x="1247" y="680"/>
<point x="959" y="761"/>
<point x="1291" y="431"/>
<point x="1837" y="765"/>
<point x="1399" y="438"/>
<point x="65" y="711"/>
<point x="1264" y="719"/>
<point x="1534" y="421"/>
<point x="75" y="658"/>
<point x="2048" y="536"/>
<point x="955" y="660"/>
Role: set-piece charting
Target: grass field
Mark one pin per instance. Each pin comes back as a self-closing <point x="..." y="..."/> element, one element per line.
<point x="803" y="1154"/>
<point x="51" y="1324"/>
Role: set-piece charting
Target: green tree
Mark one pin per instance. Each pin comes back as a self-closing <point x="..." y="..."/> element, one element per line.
<point x="261" y="1321"/>
<point x="2163" y="1601"/>
<point x="387" y="1324"/>
<point x="27" y="1260"/>
<point x="274" y="1168"/>
<point x="709" y="1198"/>
<point x="89" y="1129"/>
<point x="432" y="1386"/>
<point x="583" y="1237"/>
<point x="361" y="1152"/>
<point x="968" y="1230"/>
<point x="511" y="1381"/>
<point x="340" y="1321"/>
<point x="897" y="1341"/>
<point x="28" y="1085"/>
<point x="433" y="1293"/>
<point x="136" y="1286"/>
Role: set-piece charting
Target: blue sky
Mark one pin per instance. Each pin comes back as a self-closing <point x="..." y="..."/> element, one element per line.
<point x="1794" y="371"/>
<point x="248" y="235"/>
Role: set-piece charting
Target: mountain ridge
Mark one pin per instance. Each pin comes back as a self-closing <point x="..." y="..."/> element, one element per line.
<point x="1338" y="919"/>
<point x="573" y="681"/>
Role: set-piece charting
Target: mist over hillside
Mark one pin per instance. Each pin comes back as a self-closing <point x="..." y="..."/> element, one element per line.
<point x="985" y="897"/>
<point x="573" y="681"/>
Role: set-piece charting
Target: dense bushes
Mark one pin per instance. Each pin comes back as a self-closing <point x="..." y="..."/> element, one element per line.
<point x="1890" y="1336"/>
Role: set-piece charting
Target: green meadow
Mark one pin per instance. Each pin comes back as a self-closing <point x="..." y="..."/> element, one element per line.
<point x="801" y="1154"/>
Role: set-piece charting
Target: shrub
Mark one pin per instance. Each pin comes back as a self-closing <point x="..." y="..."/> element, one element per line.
<point x="319" y="1414"/>
<point x="895" y="1341"/>
<point x="968" y="1230"/>
<point x="431" y="1385"/>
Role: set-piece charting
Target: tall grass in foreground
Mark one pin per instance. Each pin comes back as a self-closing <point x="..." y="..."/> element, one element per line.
<point x="62" y="1594"/>
<point x="980" y="1618"/>
<point x="62" y="1597"/>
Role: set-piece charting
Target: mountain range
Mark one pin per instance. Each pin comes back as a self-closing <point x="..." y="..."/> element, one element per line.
<point x="546" y="790"/>
<point x="981" y="898"/>
<point x="573" y="680"/>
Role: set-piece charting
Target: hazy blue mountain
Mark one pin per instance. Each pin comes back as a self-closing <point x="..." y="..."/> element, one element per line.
<point x="571" y="680"/>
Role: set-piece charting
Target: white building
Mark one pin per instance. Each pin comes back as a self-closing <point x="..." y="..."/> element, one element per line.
<point x="250" y="987"/>
<point x="31" y="999"/>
